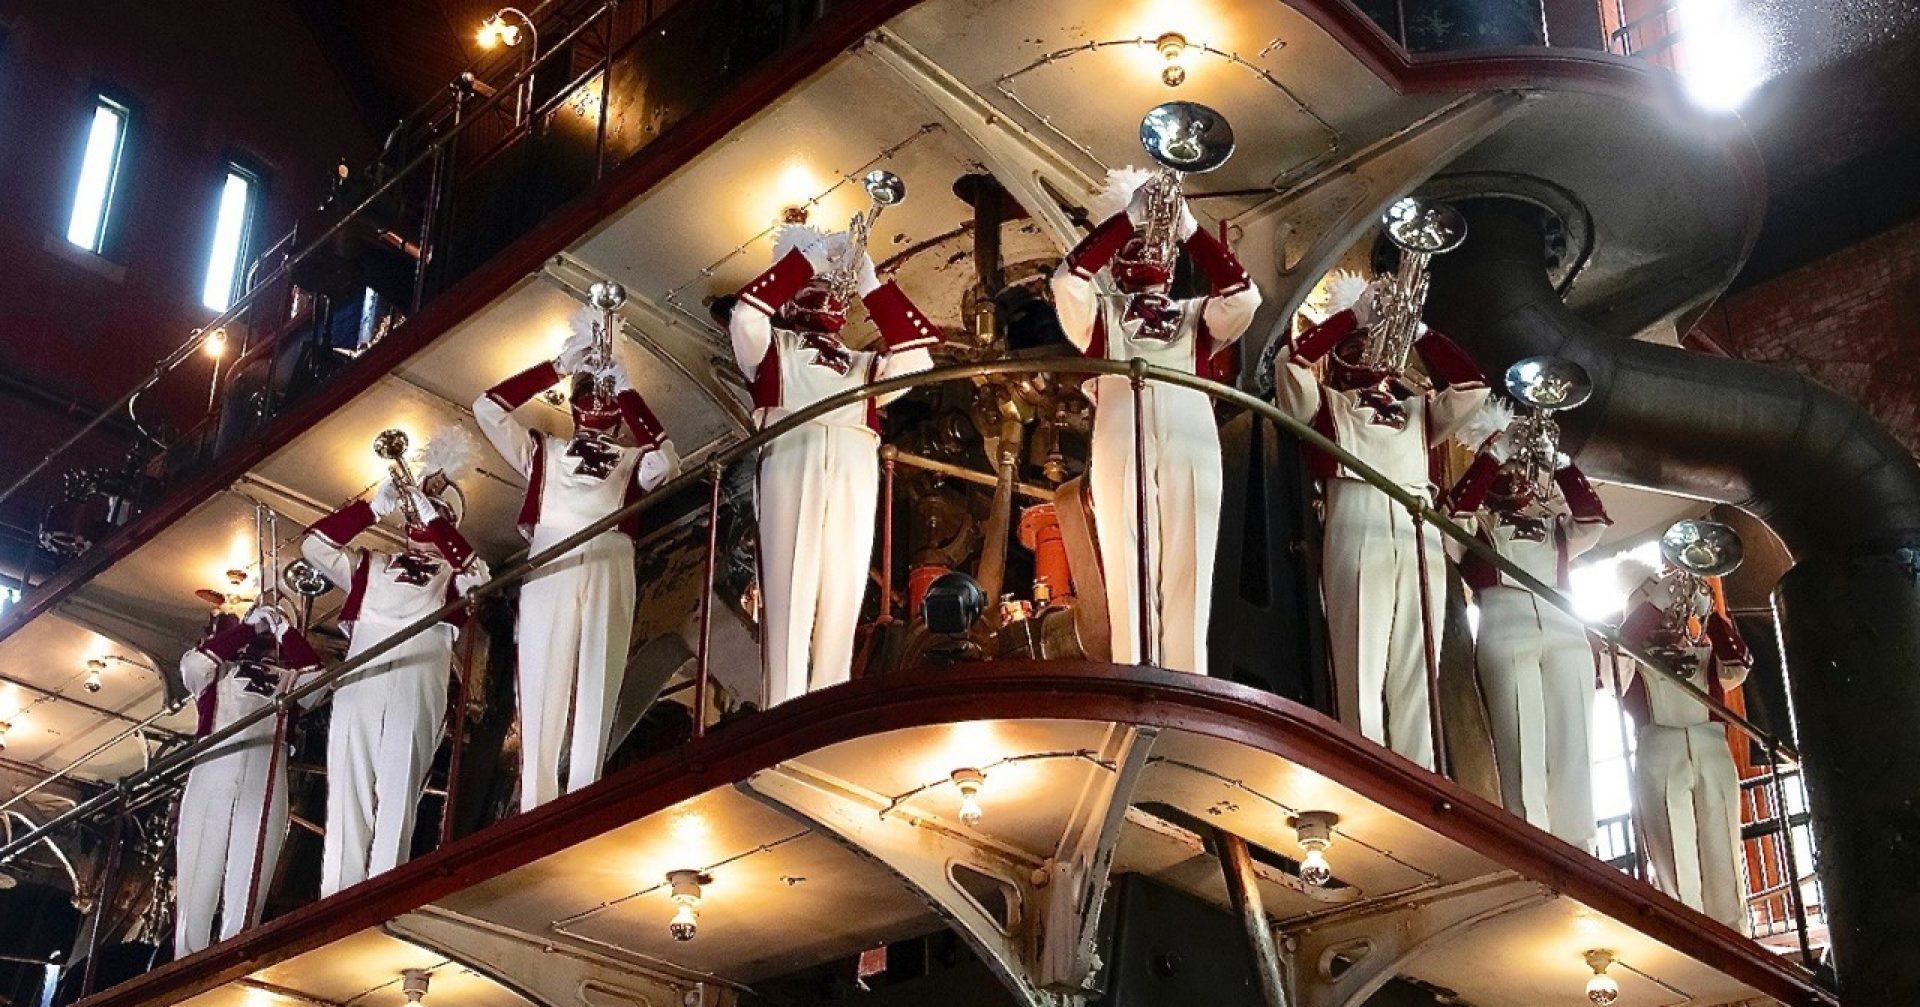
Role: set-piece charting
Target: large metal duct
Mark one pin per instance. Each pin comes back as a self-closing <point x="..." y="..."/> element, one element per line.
<point x="1839" y="491"/>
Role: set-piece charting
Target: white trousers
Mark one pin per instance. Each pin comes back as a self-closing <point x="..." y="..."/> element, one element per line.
<point x="219" y="832"/>
<point x="576" y="619"/>
<point x="386" y="726"/>
<point x="817" y="495"/>
<point x="1183" y="486"/>
<point x="1370" y="578"/>
<point x="1537" y="672"/>
<point x="1688" y="795"/>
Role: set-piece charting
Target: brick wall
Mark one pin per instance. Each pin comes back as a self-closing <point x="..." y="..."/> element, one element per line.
<point x="1850" y="320"/>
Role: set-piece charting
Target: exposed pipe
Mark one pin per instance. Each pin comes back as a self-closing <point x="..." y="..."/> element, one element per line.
<point x="1841" y="493"/>
<point x="1243" y="890"/>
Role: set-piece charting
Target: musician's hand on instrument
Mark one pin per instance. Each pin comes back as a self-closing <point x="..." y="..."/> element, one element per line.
<point x="423" y="505"/>
<point x="1140" y="205"/>
<point x="267" y="619"/>
<point x="869" y="280"/>
<point x="1499" y="447"/>
<point x="386" y="499"/>
<point x="618" y="372"/>
<point x="660" y="464"/>
<point x="574" y="353"/>
<point x="1366" y="310"/>
<point x="1188" y="223"/>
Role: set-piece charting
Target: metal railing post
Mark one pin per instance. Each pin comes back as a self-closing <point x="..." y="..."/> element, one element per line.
<point x="1795" y="899"/>
<point x="1144" y="609"/>
<point x="888" y="462"/>
<point x="457" y="722"/>
<point x="1436" y="720"/>
<point x="703" y="672"/>
<point x="1641" y="865"/>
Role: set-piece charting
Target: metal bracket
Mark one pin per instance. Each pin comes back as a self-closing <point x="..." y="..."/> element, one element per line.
<point x="543" y="972"/>
<point x="1067" y="959"/>
<point x="1343" y="961"/>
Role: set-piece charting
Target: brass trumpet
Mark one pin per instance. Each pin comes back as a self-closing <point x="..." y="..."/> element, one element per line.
<point x="884" y="189"/>
<point x="1183" y="137"/>
<point x="392" y="445"/>
<point x="605" y="297"/>
<point x="1421" y="230"/>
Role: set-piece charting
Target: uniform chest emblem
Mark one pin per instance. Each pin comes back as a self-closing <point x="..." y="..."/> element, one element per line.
<point x="597" y="457"/>
<point x="1387" y="410"/>
<point x="413" y="568"/>
<point x="1525" y="527"/>
<point x="828" y="352"/>
<point x="1158" y="315"/>
<point x="256" y="678"/>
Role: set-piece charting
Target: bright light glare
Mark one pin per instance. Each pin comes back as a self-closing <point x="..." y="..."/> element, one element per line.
<point x="229" y="235"/>
<point x="1598" y="595"/>
<point x="1724" y="59"/>
<point x="98" y="171"/>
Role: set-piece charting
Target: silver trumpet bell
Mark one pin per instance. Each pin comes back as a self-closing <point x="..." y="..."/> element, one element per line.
<point x="1186" y="136"/>
<point x="884" y="187"/>
<point x="1549" y="384"/>
<point x="606" y="295"/>
<point x="1423" y="227"/>
<point x="305" y="579"/>
<point x="1702" y="548"/>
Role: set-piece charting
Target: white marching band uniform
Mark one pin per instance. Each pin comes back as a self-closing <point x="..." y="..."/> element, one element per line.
<point x="576" y="612"/>
<point x="817" y="488"/>
<point x="234" y="673"/>
<point x="1370" y="571"/>
<point x="1181" y="437"/>
<point x="387" y="716"/>
<point x="1534" y="661"/>
<point x="1685" y="785"/>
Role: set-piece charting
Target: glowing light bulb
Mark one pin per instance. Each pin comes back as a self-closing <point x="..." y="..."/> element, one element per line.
<point x="1314" y="829"/>
<point x="497" y="30"/>
<point x="969" y="781"/>
<point x="1314" y="869"/>
<point x="1601" y="989"/>
<point x="94" y="668"/>
<point x="1172" y="46"/>
<point x="215" y="344"/>
<point x="686" y="886"/>
<point x="4" y="728"/>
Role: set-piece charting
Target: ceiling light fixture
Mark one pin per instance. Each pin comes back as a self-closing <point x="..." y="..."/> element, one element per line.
<point x="1314" y="829"/>
<point x="686" y="900"/>
<point x="214" y="344"/>
<point x="496" y="30"/>
<point x="1601" y="989"/>
<point x="414" y="982"/>
<point x="1171" y="47"/>
<point x="94" y="667"/>
<point x="970" y="781"/>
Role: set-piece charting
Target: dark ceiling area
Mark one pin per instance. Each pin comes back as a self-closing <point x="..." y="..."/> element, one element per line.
<point x="394" y="55"/>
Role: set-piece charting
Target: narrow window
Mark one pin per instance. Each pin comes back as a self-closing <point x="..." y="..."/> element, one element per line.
<point x="231" y="229"/>
<point x="99" y="175"/>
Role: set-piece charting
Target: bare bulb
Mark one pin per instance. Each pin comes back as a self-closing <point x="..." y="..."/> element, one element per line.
<point x="970" y="811"/>
<point x="92" y="684"/>
<point x="685" y="922"/>
<point x="970" y="781"/>
<point x="1314" y="869"/>
<point x="1602" y="990"/>
<point x="4" y="728"/>
<point x="1174" y="75"/>
<point x="215" y="344"/>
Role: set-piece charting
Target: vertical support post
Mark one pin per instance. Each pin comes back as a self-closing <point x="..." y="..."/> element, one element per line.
<point x="607" y="19"/>
<point x="1639" y="840"/>
<point x="702" y="673"/>
<point x="103" y="902"/>
<point x="436" y="194"/>
<point x="1243" y="891"/>
<point x="1436" y="723"/>
<point x="1143" y="591"/>
<point x="457" y="723"/>
<point x="266" y="805"/>
<point x="887" y="465"/>
<point x="1794" y="898"/>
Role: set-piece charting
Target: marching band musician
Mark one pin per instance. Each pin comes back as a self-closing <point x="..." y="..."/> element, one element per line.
<point x="241" y="666"/>
<point x="1685" y="786"/>
<point x="1534" y="661"/>
<point x="818" y="487"/>
<point x="1181" y="436"/>
<point x="387" y="716"/>
<point x="1370" y="571"/>
<point x="576" y="612"/>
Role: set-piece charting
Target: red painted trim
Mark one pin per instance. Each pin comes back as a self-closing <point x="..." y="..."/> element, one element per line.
<point x="998" y="691"/>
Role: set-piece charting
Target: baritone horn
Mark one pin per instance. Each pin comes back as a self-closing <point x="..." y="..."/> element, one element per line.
<point x="392" y="445"/>
<point x="1703" y="548"/>
<point x="884" y="189"/>
<point x="1184" y="138"/>
<point x="1544" y="386"/>
<point x="1420" y="229"/>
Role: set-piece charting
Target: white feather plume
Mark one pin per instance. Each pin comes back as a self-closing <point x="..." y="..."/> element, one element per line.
<point x="451" y="450"/>
<point x="1492" y="417"/>
<point x="820" y="248"/>
<point x="1117" y="193"/>
<point x="1342" y="289"/>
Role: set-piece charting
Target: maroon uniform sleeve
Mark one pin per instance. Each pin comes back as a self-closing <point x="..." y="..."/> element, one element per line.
<point x="516" y="391"/>
<point x="228" y="643"/>
<point x="901" y="323"/>
<point x="1320" y="340"/>
<point x="1728" y="647"/>
<point x="1641" y="624"/>
<point x="453" y="545"/>
<point x="1100" y="246"/>
<point x="341" y="526"/>
<point x="296" y="653"/>
<point x="776" y="286"/>
<point x="1447" y="364"/>
<point x="1225" y="275"/>
<point x="1471" y="491"/>
<point x="1583" y="502"/>
<point x="647" y="431"/>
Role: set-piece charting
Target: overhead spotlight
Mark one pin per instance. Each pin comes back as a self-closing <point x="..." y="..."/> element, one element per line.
<point x="94" y="668"/>
<point x="953" y="603"/>
<point x="413" y="983"/>
<point x="686" y="901"/>
<point x="496" y="30"/>
<point x="969" y="781"/>
<point x="1601" y="989"/>
<point x="1171" y="47"/>
<point x="214" y="344"/>
<point x="1314" y="829"/>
